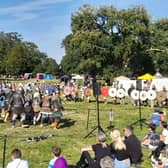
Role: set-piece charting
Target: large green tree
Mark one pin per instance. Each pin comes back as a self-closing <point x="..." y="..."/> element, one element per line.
<point x="15" y="60"/>
<point x="108" y="42"/>
<point x="159" y="45"/>
<point x="18" y="56"/>
<point x="7" y="41"/>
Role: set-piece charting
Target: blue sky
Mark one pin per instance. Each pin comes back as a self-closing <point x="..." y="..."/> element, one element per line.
<point x="47" y="22"/>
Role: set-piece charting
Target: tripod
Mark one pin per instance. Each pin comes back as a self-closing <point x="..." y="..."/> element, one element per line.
<point x="98" y="119"/>
<point x="141" y="120"/>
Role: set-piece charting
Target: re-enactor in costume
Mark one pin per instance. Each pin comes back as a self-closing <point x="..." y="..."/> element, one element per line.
<point x="57" y="107"/>
<point x="16" y="104"/>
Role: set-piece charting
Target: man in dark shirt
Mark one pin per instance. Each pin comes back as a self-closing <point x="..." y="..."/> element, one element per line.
<point x="100" y="149"/>
<point x="133" y="145"/>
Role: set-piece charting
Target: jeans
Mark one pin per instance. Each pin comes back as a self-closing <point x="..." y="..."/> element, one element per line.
<point x="121" y="164"/>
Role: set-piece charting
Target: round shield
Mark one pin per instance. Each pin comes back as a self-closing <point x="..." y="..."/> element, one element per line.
<point x="74" y="91"/>
<point x="151" y="95"/>
<point x="87" y="92"/>
<point x="67" y="90"/>
<point x="143" y="95"/>
<point x="120" y="93"/>
<point x="161" y="96"/>
<point x="112" y="92"/>
<point x="104" y="91"/>
<point x="36" y="94"/>
<point x="135" y="94"/>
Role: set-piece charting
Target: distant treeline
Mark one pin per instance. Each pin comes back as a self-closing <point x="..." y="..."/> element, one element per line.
<point x="18" y="57"/>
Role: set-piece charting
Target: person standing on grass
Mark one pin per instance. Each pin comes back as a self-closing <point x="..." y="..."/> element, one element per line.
<point x="45" y="110"/>
<point x="17" y="162"/>
<point x="57" y="107"/>
<point x="16" y="105"/>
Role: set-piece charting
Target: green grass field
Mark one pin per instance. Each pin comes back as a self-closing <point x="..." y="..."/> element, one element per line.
<point x="70" y="135"/>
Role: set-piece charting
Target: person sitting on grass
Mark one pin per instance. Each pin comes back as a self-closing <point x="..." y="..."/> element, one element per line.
<point x="133" y="146"/>
<point x="101" y="149"/>
<point x="152" y="139"/>
<point x="58" y="161"/>
<point x="17" y="162"/>
<point x="157" y="117"/>
<point x="164" y="135"/>
<point x="158" y="153"/>
<point x="119" y="150"/>
<point x="162" y="162"/>
<point x="56" y="152"/>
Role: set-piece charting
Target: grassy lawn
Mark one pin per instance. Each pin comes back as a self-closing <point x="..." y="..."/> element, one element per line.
<point x="70" y="135"/>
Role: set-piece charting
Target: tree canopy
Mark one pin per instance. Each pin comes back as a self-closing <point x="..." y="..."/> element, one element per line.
<point x="18" y="57"/>
<point x="109" y="42"/>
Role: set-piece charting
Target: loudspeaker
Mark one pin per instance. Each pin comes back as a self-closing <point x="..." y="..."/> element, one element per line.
<point x="138" y="84"/>
<point x="96" y="88"/>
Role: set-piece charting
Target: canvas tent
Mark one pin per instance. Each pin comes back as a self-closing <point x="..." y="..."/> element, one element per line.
<point x="125" y="82"/>
<point x="77" y="77"/>
<point x="48" y="76"/>
<point x="121" y="78"/>
<point x="39" y="76"/>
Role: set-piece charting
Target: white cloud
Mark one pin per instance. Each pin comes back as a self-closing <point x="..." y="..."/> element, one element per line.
<point x="28" y="10"/>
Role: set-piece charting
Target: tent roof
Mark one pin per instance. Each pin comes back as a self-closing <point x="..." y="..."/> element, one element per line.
<point x="77" y="77"/>
<point x="146" y="76"/>
<point x="121" y="78"/>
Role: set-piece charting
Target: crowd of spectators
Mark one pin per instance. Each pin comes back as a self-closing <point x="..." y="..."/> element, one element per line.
<point x="124" y="151"/>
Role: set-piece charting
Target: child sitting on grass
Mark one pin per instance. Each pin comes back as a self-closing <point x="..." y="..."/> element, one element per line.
<point x="58" y="161"/>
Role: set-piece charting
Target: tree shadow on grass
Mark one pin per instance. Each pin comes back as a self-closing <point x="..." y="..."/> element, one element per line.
<point x="67" y="122"/>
